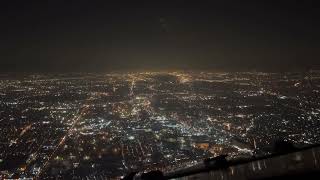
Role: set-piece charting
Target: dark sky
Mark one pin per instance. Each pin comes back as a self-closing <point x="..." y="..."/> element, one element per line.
<point x="108" y="35"/>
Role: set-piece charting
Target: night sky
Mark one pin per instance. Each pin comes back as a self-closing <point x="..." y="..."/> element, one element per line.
<point x="73" y="36"/>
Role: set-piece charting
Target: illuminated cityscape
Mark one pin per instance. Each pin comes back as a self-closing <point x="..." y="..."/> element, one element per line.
<point x="97" y="126"/>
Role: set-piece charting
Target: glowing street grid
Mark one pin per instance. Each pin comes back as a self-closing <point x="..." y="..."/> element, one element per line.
<point x="104" y="125"/>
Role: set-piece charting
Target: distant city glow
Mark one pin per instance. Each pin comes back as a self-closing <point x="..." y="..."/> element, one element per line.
<point x="106" y="125"/>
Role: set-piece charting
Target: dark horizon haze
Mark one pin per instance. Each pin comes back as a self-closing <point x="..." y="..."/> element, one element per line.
<point x="74" y="36"/>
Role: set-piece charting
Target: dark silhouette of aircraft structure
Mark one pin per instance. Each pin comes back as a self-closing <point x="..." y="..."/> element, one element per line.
<point x="287" y="162"/>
